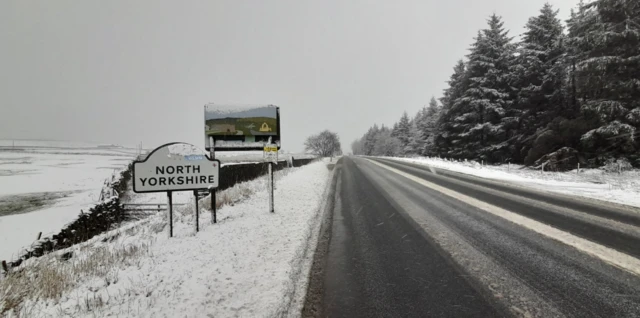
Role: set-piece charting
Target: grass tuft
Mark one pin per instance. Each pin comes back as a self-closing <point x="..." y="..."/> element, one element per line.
<point x="48" y="278"/>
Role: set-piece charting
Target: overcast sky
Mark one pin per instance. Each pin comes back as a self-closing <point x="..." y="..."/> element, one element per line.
<point x="130" y="71"/>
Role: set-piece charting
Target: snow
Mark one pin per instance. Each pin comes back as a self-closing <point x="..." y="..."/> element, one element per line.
<point x="65" y="177"/>
<point x="53" y="184"/>
<point x="228" y="157"/>
<point x="252" y="263"/>
<point x="32" y="143"/>
<point x="233" y="109"/>
<point x="591" y="183"/>
<point x="185" y="149"/>
<point x="241" y="144"/>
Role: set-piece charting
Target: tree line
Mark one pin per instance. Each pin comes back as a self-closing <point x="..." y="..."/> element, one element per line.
<point x="559" y="96"/>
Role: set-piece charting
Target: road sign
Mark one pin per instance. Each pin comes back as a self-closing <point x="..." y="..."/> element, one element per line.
<point x="270" y="153"/>
<point x="241" y="128"/>
<point x="175" y="167"/>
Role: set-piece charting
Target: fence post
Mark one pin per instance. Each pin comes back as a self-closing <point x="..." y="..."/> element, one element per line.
<point x="39" y="236"/>
<point x="5" y="268"/>
<point x="578" y="168"/>
<point x="619" y="168"/>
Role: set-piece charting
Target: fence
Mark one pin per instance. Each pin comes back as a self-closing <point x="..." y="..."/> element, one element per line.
<point x="137" y="211"/>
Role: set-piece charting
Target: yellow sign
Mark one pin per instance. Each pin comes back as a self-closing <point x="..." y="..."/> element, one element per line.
<point x="265" y="127"/>
<point x="271" y="148"/>
<point x="271" y="153"/>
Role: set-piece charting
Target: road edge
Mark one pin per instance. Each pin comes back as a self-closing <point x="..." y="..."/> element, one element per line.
<point x="313" y="301"/>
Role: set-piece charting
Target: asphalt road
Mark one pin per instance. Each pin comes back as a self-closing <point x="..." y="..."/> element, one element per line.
<point x="405" y="240"/>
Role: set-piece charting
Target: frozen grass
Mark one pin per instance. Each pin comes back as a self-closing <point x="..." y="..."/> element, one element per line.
<point x="249" y="264"/>
<point x="50" y="277"/>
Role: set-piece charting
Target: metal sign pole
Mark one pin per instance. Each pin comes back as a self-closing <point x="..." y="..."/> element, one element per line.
<point x="212" y="191"/>
<point x="170" y="211"/>
<point x="268" y="156"/>
<point x="271" y="187"/>
<point x="195" y="196"/>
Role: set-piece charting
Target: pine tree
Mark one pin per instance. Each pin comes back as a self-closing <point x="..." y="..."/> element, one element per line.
<point x="417" y="133"/>
<point x="483" y="105"/>
<point x="415" y="138"/>
<point x="538" y="76"/>
<point x="605" y="40"/>
<point x="447" y="129"/>
<point x="369" y="140"/>
<point x="394" y="130"/>
<point x="429" y="127"/>
<point x="402" y="131"/>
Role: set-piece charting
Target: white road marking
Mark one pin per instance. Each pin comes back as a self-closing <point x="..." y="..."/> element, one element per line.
<point x="609" y="255"/>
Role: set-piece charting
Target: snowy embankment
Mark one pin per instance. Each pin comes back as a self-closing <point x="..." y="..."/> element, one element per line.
<point x="252" y="263"/>
<point x="623" y="188"/>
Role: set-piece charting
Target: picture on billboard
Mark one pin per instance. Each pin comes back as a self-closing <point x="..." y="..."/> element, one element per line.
<point x="241" y="127"/>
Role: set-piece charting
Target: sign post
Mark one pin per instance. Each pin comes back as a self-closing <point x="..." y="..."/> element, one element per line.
<point x="170" y="212"/>
<point x="176" y="167"/>
<point x="271" y="187"/>
<point x="271" y="156"/>
<point x="195" y="196"/>
<point x="243" y="128"/>
<point x="212" y="191"/>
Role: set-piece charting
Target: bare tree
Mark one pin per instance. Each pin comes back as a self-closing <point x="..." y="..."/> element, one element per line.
<point x="324" y="144"/>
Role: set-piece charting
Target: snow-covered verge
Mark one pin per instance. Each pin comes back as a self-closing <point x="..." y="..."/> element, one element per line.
<point x="250" y="264"/>
<point x="623" y="188"/>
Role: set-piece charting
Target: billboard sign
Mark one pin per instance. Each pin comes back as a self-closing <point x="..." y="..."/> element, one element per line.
<point x="241" y="127"/>
<point x="175" y="167"/>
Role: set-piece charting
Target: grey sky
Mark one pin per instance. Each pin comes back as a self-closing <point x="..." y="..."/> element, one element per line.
<point x="130" y="71"/>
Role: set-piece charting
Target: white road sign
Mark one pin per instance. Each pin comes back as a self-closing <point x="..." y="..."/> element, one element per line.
<point x="175" y="167"/>
<point x="270" y="153"/>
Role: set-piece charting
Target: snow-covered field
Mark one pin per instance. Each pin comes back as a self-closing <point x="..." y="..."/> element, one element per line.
<point x="597" y="184"/>
<point x="252" y="263"/>
<point x="44" y="185"/>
